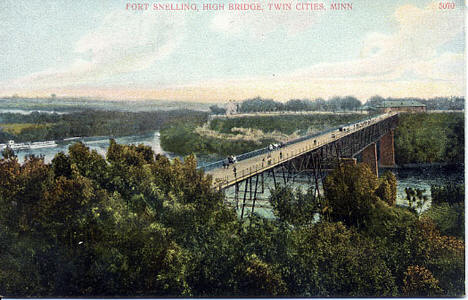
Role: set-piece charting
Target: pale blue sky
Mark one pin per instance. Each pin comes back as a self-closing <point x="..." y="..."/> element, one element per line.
<point x="85" y="47"/>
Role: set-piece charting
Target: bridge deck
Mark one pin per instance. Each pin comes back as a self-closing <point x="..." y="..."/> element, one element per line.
<point x="223" y="178"/>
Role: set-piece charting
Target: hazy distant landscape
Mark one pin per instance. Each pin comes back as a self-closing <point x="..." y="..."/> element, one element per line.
<point x="124" y="128"/>
<point x="142" y="213"/>
<point x="80" y="104"/>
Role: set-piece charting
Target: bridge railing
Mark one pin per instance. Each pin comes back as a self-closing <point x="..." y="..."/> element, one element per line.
<point x="260" y="166"/>
<point x="218" y="164"/>
<point x="240" y="157"/>
<point x="244" y="156"/>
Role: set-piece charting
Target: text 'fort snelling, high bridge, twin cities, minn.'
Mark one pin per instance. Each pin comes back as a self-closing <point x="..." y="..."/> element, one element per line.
<point x="236" y="6"/>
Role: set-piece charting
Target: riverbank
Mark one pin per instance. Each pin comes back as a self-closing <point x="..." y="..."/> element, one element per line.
<point x="422" y="165"/>
<point x="429" y="138"/>
<point x="44" y="127"/>
<point x="235" y="136"/>
<point x="286" y="113"/>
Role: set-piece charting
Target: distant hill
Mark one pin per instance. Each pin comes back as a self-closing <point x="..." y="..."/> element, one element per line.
<point x="81" y="104"/>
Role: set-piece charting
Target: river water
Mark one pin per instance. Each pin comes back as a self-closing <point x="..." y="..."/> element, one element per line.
<point x="100" y="144"/>
<point x="420" y="177"/>
<point x="411" y="177"/>
<point x="424" y="177"/>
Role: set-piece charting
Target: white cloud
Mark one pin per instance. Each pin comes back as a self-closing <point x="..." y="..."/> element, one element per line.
<point x="413" y="48"/>
<point x="408" y="62"/>
<point x="258" y="24"/>
<point x="125" y="42"/>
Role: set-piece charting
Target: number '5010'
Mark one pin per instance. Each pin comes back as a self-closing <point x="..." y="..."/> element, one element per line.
<point x="446" y="5"/>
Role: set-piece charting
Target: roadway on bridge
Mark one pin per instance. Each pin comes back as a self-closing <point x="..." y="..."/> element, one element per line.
<point x="223" y="177"/>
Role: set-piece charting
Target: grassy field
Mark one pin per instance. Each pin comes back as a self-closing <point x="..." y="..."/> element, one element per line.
<point x="240" y="135"/>
<point x="288" y="124"/>
<point x="419" y="138"/>
<point x="17" y="128"/>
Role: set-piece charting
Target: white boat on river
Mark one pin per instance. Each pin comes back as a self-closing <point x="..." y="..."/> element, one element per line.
<point x="26" y="146"/>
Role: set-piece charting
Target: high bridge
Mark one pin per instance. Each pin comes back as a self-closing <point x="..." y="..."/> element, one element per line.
<point x="310" y="155"/>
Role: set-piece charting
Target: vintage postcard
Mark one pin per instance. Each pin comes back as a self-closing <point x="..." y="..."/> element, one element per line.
<point x="232" y="148"/>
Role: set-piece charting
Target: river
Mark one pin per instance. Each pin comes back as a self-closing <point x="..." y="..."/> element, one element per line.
<point x="100" y="144"/>
<point x="424" y="176"/>
<point x="420" y="177"/>
<point x="414" y="177"/>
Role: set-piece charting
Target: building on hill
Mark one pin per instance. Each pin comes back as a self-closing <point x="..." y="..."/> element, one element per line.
<point x="401" y="106"/>
<point x="232" y="108"/>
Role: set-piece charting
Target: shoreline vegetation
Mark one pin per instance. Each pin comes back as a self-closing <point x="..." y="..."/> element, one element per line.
<point x="89" y="123"/>
<point x="336" y="104"/>
<point x="136" y="224"/>
<point x="235" y="136"/>
<point x="430" y="138"/>
<point x="419" y="138"/>
<point x="133" y="223"/>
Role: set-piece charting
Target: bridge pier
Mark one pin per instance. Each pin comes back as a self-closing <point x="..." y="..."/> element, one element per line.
<point x="387" y="150"/>
<point x="314" y="154"/>
<point x="369" y="156"/>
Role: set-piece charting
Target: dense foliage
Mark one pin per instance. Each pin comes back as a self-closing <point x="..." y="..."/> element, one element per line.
<point x="347" y="103"/>
<point x="137" y="224"/>
<point x="181" y="137"/>
<point x="216" y="110"/>
<point x="268" y="105"/>
<point x="397" y="252"/>
<point x="287" y="124"/>
<point x="419" y="138"/>
<point x="43" y="126"/>
<point x="128" y="224"/>
<point x="353" y="193"/>
<point x="448" y="209"/>
<point x="427" y="138"/>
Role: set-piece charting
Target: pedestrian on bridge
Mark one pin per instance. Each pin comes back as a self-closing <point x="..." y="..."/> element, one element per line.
<point x="235" y="171"/>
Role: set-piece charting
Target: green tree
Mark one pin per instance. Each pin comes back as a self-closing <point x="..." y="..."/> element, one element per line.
<point x="216" y="110"/>
<point x="449" y="219"/>
<point x="387" y="190"/>
<point x="329" y="259"/>
<point x="455" y="150"/>
<point x="257" y="278"/>
<point x="427" y="138"/>
<point x="350" y="194"/>
<point x="419" y="282"/>
<point x="295" y="207"/>
<point x="449" y="193"/>
<point x="416" y="199"/>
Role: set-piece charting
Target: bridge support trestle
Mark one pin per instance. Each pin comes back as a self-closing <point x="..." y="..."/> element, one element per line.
<point x="369" y="156"/>
<point x="387" y="150"/>
<point x="255" y="193"/>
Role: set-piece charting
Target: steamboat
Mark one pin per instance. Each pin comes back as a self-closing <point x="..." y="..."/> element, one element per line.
<point x="27" y="146"/>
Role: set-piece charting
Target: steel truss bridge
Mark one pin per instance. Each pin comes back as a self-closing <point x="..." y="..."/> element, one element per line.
<point x="310" y="156"/>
